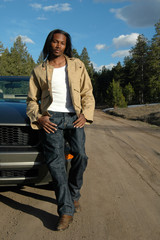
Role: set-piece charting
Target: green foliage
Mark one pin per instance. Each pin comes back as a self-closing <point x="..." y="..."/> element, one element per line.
<point x="128" y="93"/>
<point x="116" y="96"/>
<point x="17" y="62"/>
<point x="1" y="48"/>
<point x="40" y="59"/>
<point x="101" y="84"/>
<point x="86" y="60"/>
<point x="84" y="57"/>
<point x="5" y="61"/>
<point x="154" y="89"/>
<point x="118" y="73"/>
<point x="75" y="53"/>
<point x="154" y="66"/>
<point x="139" y="58"/>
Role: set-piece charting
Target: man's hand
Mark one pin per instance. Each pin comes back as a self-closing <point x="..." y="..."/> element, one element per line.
<point x="80" y="122"/>
<point x="46" y="124"/>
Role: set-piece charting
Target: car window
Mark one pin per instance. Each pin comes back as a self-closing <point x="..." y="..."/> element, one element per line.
<point x="13" y="88"/>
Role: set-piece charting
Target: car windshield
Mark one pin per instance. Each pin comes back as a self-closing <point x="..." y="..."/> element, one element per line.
<point x="13" y="88"/>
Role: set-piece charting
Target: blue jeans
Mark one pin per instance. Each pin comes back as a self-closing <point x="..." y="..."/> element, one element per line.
<point x="67" y="186"/>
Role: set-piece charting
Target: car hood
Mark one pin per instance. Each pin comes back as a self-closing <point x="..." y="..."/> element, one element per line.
<point x="13" y="113"/>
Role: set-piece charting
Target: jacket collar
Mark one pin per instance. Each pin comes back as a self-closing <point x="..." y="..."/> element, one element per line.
<point x="49" y="70"/>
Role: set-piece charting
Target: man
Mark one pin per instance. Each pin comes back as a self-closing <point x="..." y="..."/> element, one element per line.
<point x="60" y="101"/>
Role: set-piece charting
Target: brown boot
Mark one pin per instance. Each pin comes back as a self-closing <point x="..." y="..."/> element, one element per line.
<point x="64" y="222"/>
<point x="77" y="206"/>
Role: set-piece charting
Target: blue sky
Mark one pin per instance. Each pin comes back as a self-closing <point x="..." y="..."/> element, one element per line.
<point x="107" y="28"/>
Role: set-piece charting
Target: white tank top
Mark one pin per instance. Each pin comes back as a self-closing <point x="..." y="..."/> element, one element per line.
<point x="60" y="91"/>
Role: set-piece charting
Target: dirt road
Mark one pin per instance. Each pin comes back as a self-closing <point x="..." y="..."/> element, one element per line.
<point x="120" y="196"/>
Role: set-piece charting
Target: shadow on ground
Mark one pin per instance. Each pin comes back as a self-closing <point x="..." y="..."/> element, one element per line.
<point x="49" y="220"/>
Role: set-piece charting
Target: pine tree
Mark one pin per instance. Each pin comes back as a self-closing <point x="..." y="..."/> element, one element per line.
<point x="22" y="62"/>
<point x="101" y="83"/>
<point x="139" y="58"/>
<point x="5" y="67"/>
<point x="75" y="53"/>
<point x="40" y="59"/>
<point x="1" y="48"/>
<point x="118" y="72"/>
<point x="128" y="93"/>
<point x="115" y="94"/>
<point x="154" y="66"/>
<point x="86" y="60"/>
<point x="129" y="70"/>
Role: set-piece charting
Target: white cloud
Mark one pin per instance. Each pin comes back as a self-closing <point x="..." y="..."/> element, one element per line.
<point x="59" y="7"/>
<point x="139" y="13"/>
<point x="37" y="6"/>
<point x="99" y="68"/>
<point x="101" y="47"/>
<point x="25" y="39"/>
<point x="62" y="7"/>
<point x="118" y="13"/>
<point x="125" y="40"/>
<point x="121" y="53"/>
<point x="41" y="18"/>
<point x="105" y="1"/>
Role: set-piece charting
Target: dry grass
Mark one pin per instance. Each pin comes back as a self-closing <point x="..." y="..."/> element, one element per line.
<point x="146" y="113"/>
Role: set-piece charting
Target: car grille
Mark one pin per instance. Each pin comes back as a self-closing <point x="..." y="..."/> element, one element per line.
<point x="19" y="173"/>
<point x="18" y="136"/>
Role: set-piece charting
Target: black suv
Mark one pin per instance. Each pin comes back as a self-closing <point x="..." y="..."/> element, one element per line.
<point x="21" y="159"/>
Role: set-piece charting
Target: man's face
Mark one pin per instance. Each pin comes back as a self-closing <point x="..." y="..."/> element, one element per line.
<point x="58" y="44"/>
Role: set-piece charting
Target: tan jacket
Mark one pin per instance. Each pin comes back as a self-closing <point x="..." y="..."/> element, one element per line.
<point x="40" y="94"/>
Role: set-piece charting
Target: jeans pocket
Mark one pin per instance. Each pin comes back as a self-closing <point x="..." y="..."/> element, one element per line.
<point x="56" y="120"/>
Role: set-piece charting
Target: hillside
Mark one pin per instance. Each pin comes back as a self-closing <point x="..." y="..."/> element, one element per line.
<point x="146" y="113"/>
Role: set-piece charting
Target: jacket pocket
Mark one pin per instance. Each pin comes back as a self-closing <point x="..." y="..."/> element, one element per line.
<point x="45" y="101"/>
<point x="77" y="97"/>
